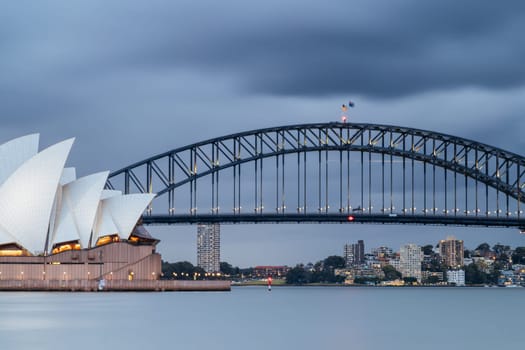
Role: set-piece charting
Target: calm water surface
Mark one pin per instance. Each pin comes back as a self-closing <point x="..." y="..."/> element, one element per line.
<point x="253" y="318"/>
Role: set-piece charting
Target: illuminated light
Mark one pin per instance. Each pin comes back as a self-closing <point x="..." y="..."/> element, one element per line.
<point x="107" y="239"/>
<point x="351" y="218"/>
<point x="13" y="249"/>
<point x="17" y="252"/>
<point x="66" y="247"/>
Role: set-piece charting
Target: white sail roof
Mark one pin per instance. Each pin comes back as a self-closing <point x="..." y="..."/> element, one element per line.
<point x="80" y="201"/>
<point x="27" y="196"/>
<point x="5" y="237"/>
<point x="68" y="175"/>
<point x="119" y="214"/>
<point x="15" y="152"/>
<point x="109" y="193"/>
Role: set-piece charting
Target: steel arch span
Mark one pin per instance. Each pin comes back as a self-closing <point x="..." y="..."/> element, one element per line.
<point x="332" y="172"/>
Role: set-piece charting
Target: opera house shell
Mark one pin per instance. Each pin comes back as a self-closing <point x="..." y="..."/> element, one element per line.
<point x="57" y="227"/>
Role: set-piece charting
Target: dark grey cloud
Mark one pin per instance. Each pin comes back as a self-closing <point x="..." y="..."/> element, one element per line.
<point x="371" y="48"/>
<point x="380" y="50"/>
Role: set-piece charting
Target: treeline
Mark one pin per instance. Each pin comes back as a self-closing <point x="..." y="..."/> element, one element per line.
<point x="502" y="256"/>
<point x="322" y="272"/>
<point x="184" y="270"/>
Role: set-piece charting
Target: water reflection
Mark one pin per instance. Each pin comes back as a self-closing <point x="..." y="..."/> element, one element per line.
<point x="252" y="317"/>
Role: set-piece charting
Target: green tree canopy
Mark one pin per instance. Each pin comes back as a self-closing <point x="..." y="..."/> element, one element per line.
<point x="501" y="249"/>
<point x="228" y="269"/>
<point x="180" y="270"/>
<point x="297" y="275"/>
<point x="483" y="248"/>
<point x="428" y="249"/>
<point x="473" y="275"/>
<point x="334" y="262"/>
<point x="518" y="257"/>
<point x="391" y="273"/>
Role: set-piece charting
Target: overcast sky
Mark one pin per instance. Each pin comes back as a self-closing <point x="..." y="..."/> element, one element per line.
<point x="130" y="79"/>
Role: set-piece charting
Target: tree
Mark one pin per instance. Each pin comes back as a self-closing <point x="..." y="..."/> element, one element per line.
<point x="226" y="268"/>
<point x="483" y="249"/>
<point x="180" y="270"/>
<point x="391" y="273"/>
<point x="325" y="276"/>
<point x="473" y="275"/>
<point x="428" y="249"/>
<point x="297" y="275"/>
<point x="500" y="249"/>
<point x="246" y="272"/>
<point x="518" y="257"/>
<point x="334" y="262"/>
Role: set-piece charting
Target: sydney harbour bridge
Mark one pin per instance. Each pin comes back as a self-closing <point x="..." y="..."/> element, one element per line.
<point x="332" y="172"/>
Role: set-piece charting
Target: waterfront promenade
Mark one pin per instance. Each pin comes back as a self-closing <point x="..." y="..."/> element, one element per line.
<point x="116" y="285"/>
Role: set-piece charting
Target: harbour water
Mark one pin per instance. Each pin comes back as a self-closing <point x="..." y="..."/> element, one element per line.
<point x="253" y="318"/>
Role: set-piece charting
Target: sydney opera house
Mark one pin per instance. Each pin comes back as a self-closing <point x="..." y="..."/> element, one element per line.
<point x="60" y="232"/>
<point x="57" y="227"/>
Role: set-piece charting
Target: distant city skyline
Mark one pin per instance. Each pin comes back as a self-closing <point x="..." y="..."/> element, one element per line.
<point x="314" y="242"/>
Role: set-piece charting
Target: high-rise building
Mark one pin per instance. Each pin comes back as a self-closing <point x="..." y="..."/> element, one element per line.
<point x="452" y="252"/>
<point x="354" y="253"/>
<point x="410" y="257"/>
<point x="209" y="247"/>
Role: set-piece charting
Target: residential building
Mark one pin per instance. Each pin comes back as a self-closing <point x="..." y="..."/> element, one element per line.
<point x="382" y="253"/>
<point x="354" y="254"/>
<point x="456" y="277"/>
<point x="395" y="262"/>
<point x="410" y="257"/>
<point x="451" y="251"/>
<point x="432" y="275"/>
<point x="209" y="247"/>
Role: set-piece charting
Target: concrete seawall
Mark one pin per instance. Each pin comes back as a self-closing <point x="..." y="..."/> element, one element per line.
<point x="120" y="285"/>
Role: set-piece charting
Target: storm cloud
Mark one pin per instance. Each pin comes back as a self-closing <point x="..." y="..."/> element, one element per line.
<point x="370" y="48"/>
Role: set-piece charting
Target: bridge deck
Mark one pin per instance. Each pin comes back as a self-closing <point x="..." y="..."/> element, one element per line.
<point x="336" y="218"/>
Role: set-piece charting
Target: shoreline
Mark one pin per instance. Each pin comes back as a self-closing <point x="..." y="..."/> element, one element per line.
<point x="333" y="285"/>
<point x="115" y="286"/>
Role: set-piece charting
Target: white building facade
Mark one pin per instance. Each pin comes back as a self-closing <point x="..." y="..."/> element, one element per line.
<point x="456" y="277"/>
<point x="410" y="258"/>
<point x="209" y="247"/>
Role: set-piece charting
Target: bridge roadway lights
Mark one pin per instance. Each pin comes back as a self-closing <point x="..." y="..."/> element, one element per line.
<point x="335" y="218"/>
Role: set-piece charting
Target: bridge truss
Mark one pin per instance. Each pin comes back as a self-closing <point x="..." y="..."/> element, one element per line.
<point x="332" y="172"/>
